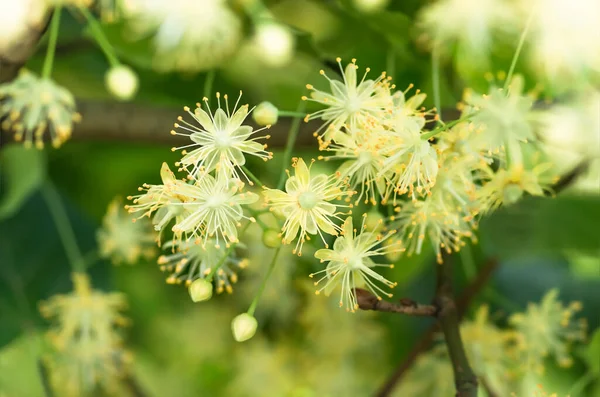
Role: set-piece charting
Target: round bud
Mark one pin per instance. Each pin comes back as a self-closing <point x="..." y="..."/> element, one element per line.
<point x="201" y="290"/>
<point x="243" y="327"/>
<point x="271" y="238"/>
<point x="265" y="114"/>
<point x="368" y="6"/>
<point x="374" y="220"/>
<point x="122" y="82"/>
<point x="275" y="43"/>
<point x="512" y="193"/>
<point x="392" y="256"/>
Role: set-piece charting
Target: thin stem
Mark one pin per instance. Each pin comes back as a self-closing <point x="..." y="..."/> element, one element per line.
<point x="44" y="378"/>
<point x="264" y="283"/>
<point x="225" y="255"/>
<point x="63" y="227"/>
<point x="442" y="128"/>
<point x="291" y="141"/>
<point x="435" y="78"/>
<point x="209" y="82"/>
<point x="100" y="37"/>
<point x="390" y="62"/>
<point x="256" y="215"/>
<point x="252" y="176"/>
<point x="290" y="113"/>
<point x="515" y="58"/>
<point x="466" y="256"/>
<point x="54" y="27"/>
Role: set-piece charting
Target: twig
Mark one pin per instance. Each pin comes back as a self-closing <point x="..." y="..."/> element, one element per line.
<point x="464" y="377"/>
<point x="368" y="301"/>
<point x="570" y="177"/>
<point x="487" y="387"/>
<point x="426" y="340"/>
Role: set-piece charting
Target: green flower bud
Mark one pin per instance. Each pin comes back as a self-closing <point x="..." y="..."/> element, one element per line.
<point x="201" y="290"/>
<point x="243" y="327"/>
<point x="122" y="82"/>
<point x="265" y="114"/>
<point x="271" y="238"/>
<point x="512" y="193"/>
<point x="374" y="220"/>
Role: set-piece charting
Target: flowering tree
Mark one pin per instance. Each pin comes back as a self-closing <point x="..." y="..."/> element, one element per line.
<point x="366" y="184"/>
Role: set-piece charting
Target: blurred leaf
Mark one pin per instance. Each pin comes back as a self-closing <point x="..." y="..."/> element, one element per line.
<point x="33" y="265"/>
<point x="137" y="52"/>
<point x="592" y="353"/>
<point x="19" y="369"/>
<point x="394" y="26"/>
<point x="544" y="226"/>
<point x="23" y="170"/>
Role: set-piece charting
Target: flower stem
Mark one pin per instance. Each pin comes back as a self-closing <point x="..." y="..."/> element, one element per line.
<point x="515" y="58"/>
<point x="100" y="37"/>
<point x="225" y="255"/>
<point x="54" y="27"/>
<point x="291" y="141"/>
<point x="208" y="83"/>
<point x="252" y="176"/>
<point x="390" y="62"/>
<point x="63" y="227"/>
<point x="582" y="383"/>
<point x="264" y="283"/>
<point x="435" y="78"/>
<point x="290" y="113"/>
<point x="443" y="128"/>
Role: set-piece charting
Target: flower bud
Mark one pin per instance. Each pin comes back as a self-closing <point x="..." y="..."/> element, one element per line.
<point x="265" y="114"/>
<point x="271" y="238"/>
<point x="512" y="193"/>
<point x="275" y="43"/>
<point x="243" y="327"/>
<point x="374" y="220"/>
<point x="122" y="82"/>
<point x="392" y="256"/>
<point x="201" y="290"/>
<point x="368" y="6"/>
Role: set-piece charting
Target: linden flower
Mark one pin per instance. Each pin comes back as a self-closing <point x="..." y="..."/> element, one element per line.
<point x="213" y="208"/>
<point x="123" y="240"/>
<point x="221" y="139"/>
<point x="162" y="199"/>
<point x="508" y="186"/>
<point x="548" y="328"/>
<point x="306" y="204"/>
<point x="351" y="102"/>
<point x="412" y="161"/>
<point x="189" y="261"/>
<point x="362" y="151"/>
<point x="191" y="35"/>
<point x="87" y="345"/>
<point x="30" y="105"/>
<point x="504" y="118"/>
<point x="470" y="24"/>
<point x="438" y="217"/>
<point x="350" y="264"/>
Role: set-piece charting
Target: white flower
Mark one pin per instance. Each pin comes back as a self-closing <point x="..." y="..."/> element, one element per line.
<point x="306" y="204"/>
<point x="190" y="35"/>
<point x="468" y="24"/>
<point x="565" y="39"/>
<point x="275" y="43"/>
<point x="123" y="240"/>
<point x="189" y="261"/>
<point x="213" y="208"/>
<point x="352" y="102"/>
<point x="350" y="264"/>
<point x="220" y="140"/>
<point x="30" y="105"/>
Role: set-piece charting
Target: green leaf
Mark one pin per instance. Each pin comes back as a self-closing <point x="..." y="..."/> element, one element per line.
<point x="544" y="225"/>
<point x="592" y="353"/>
<point x="22" y="171"/>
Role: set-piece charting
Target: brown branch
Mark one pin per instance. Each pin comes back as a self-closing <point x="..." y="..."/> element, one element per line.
<point x="426" y="340"/>
<point x="368" y="301"/>
<point x="464" y="377"/>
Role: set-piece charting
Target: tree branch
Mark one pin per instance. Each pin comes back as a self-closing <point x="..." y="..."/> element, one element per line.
<point x="464" y="377"/>
<point x="426" y="340"/>
<point x="368" y="301"/>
